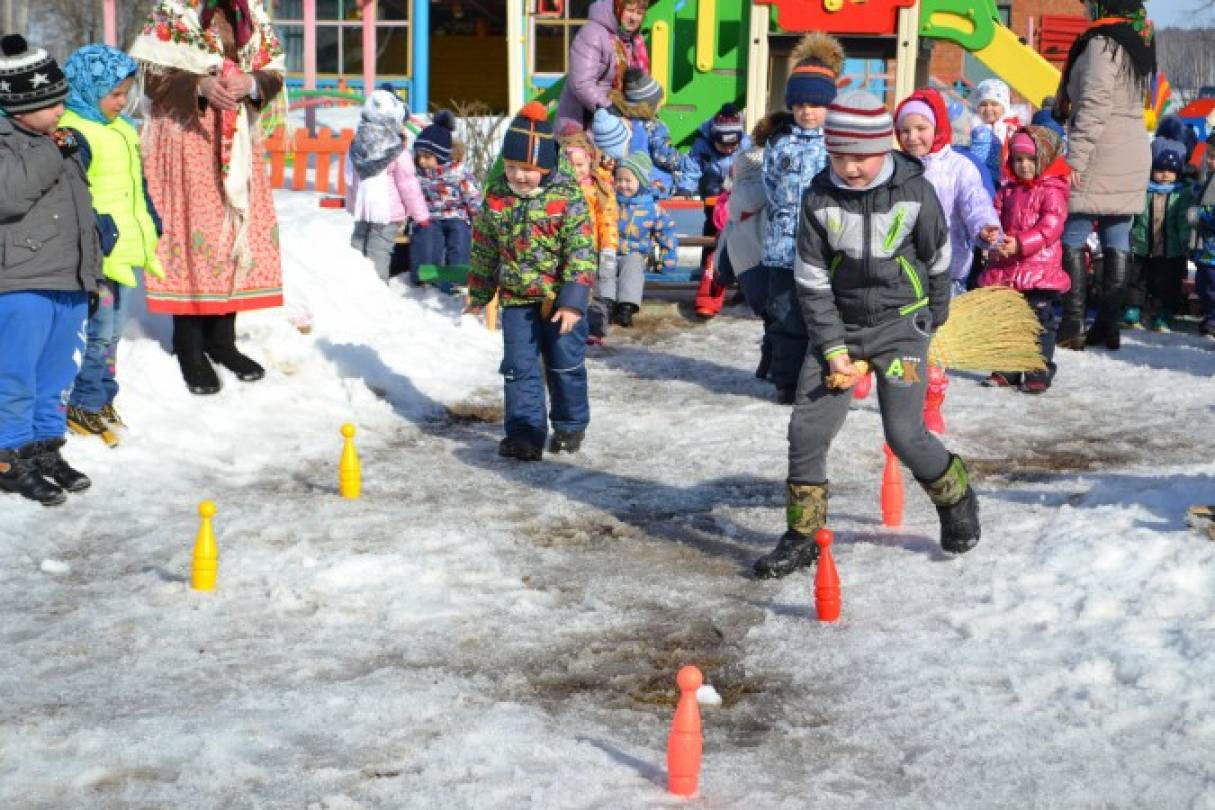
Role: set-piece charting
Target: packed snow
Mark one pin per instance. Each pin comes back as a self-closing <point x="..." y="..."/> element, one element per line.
<point x="476" y="632"/>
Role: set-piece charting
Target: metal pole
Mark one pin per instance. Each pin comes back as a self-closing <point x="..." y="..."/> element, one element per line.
<point x="420" y="103"/>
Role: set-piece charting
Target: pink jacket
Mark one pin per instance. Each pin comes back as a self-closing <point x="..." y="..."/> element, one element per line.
<point x="391" y="196"/>
<point x="1033" y="213"/>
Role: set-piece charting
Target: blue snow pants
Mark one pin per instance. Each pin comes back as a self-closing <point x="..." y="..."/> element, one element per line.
<point x="444" y="242"/>
<point x="528" y="337"/>
<point x="96" y="385"/>
<point x="42" y="333"/>
<point x="784" y="328"/>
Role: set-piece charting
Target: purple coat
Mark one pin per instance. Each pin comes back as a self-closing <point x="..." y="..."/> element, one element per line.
<point x="593" y="67"/>
<point x="965" y="201"/>
<point x="1034" y="214"/>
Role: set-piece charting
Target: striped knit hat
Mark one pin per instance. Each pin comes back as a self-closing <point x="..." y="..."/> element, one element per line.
<point x="641" y="88"/>
<point x="611" y="134"/>
<point x="639" y="165"/>
<point x="529" y="140"/>
<point x="30" y="80"/>
<point x="858" y="124"/>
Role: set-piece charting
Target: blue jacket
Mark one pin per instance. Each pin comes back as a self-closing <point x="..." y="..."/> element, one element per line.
<point x="1201" y="217"/>
<point x="791" y="160"/>
<point x="644" y="225"/>
<point x="704" y="169"/>
<point x="651" y="136"/>
<point x="987" y="147"/>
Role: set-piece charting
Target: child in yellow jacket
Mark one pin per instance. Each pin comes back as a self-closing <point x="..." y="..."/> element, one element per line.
<point x="596" y="184"/>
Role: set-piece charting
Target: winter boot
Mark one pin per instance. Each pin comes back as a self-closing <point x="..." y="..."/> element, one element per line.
<point x="110" y="415"/>
<point x="50" y="464"/>
<point x="568" y="440"/>
<point x="765" y="360"/>
<point x="1071" y="328"/>
<point x="522" y="449"/>
<point x="625" y="313"/>
<point x="19" y="474"/>
<point x="220" y="345"/>
<point x="1161" y="320"/>
<point x="1131" y="318"/>
<point x="805" y="514"/>
<point x="1113" y="290"/>
<point x="199" y="376"/>
<point x="957" y="506"/>
<point x="90" y="423"/>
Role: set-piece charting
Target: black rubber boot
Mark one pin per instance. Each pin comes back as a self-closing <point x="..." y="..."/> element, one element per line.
<point x="568" y="440"/>
<point x="19" y="474"/>
<point x="625" y="313"/>
<point x="957" y="507"/>
<point x="50" y="464"/>
<point x="188" y="338"/>
<point x="220" y="345"/>
<point x="1070" y="334"/>
<point x="1106" y="329"/>
<point x="805" y="514"/>
<point x="514" y="447"/>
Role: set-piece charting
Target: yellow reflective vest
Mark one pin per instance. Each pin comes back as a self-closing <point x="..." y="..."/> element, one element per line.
<point x="116" y="182"/>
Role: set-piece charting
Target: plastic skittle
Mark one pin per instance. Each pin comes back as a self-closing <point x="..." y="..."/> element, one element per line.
<point x="206" y="555"/>
<point x="826" y="579"/>
<point x="684" y="742"/>
<point x="863" y="386"/>
<point x="938" y="381"/>
<point x="350" y="478"/>
<point x="892" y="490"/>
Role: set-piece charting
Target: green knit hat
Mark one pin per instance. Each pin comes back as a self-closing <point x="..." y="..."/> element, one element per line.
<point x="640" y="165"/>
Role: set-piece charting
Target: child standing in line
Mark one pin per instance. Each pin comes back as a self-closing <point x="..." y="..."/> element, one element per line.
<point x="638" y="105"/>
<point x="534" y="245"/>
<point x="382" y="189"/>
<point x="1159" y="239"/>
<point x="452" y="194"/>
<point x="597" y="189"/>
<point x="873" y="281"/>
<point x="992" y="125"/>
<point x="707" y="165"/>
<point x="1201" y="217"/>
<point x="794" y="153"/>
<point x="50" y="267"/>
<point x="99" y="81"/>
<point x="644" y="228"/>
<point x="1033" y="209"/>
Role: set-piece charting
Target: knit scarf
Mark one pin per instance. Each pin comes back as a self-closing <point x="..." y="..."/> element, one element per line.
<point x="1161" y="188"/>
<point x="1123" y="23"/>
<point x="174" y="37"/>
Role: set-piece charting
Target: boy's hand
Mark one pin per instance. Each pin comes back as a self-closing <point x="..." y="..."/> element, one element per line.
<point x="845" y="373"/>
<point x="568" y="318"/>
<point x="990" y="234"/>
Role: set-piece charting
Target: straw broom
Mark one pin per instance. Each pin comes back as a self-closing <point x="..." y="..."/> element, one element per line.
<point x="988" y="328"/>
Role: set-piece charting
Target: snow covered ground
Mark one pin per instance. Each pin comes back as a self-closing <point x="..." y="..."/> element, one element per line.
<point x="476" y="632"/>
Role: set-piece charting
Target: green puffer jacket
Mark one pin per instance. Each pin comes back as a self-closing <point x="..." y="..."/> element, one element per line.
<point x="533" y="249"/>
<point x="1176" y="226"/>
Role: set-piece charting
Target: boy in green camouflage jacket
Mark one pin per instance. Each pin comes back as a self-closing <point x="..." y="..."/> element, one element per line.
<point x="533" y="245"/>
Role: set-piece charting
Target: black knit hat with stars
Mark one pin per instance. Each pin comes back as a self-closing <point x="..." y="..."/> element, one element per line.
<point x="30" y="80"/>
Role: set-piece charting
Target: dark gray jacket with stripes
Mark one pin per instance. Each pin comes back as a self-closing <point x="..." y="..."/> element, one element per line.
<point x="865" y="257"/>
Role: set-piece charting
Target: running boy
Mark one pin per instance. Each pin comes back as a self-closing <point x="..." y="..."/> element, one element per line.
<point x="872" y="272"/>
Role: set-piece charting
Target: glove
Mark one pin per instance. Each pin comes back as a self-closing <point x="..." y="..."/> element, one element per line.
<point x="66" y="140"/>
<point x="607" y="262"/>
<point x="94" y="303"/>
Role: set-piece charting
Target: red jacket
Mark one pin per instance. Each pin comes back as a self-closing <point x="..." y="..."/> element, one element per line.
<point x="1034" y="213"/>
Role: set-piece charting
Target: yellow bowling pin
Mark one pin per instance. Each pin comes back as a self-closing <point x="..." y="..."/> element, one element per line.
<point x="349" y="476"/>
<point x="206" y="555"/>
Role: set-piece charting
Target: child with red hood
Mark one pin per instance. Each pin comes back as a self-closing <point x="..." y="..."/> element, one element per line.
<point x="1033" y="210"/>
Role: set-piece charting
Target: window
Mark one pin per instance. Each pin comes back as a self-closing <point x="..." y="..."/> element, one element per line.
<point x="339" y="35"/>
<point x="551" y="39"/>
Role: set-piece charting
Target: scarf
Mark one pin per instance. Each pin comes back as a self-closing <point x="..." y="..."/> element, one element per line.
<point x="174" y="37"/>
<point x="378" y="141"/>
<point x="92" y="73"/>
<point x="242" y="22"/>
<point x="1161" y="188"/>
<point x="1123" y="23"/>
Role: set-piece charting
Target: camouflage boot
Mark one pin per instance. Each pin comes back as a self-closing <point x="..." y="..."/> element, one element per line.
<point x="957" y="506"/>
<point x="806" y="513"/>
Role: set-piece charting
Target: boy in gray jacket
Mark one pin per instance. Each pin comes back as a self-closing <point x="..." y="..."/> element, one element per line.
<point x="872" y="277"/>
<point x="50" y="268"/>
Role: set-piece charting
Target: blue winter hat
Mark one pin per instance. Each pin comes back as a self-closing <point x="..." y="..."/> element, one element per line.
<point x="610" y="134"/>
<point x="436" y="138"/>
<point x="819" y="60"/>
<point x="92" y="73"/>
<point x="529" y="139"/>
<point x="1168" y="155"/>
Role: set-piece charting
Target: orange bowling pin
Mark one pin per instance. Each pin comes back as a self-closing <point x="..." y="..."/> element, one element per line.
<point x="684" y="742"/>
<point x="892" y="490"/>
<point x="826" y="579"/>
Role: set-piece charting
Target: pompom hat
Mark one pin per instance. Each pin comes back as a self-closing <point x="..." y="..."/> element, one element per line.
<point x="727" y="126"/>
<point x="858" y="124"/>
<point x="818" y="60"/>
<point x="30" y="80"/>
<point x="1168" y="155"/>
<point x="611" y="134"/>
<point x="436" y="138"/>
<point x="529" y="140"/>
<point x="642" y="88"/>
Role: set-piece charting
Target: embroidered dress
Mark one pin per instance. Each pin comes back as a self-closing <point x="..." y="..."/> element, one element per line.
<point x="205" y="167"/>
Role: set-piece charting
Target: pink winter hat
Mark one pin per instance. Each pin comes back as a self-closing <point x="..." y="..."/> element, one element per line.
<point x="1023" y="144"/>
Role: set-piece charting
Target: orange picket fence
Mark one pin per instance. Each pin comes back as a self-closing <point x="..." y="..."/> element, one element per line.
<point x="320" y="152"/>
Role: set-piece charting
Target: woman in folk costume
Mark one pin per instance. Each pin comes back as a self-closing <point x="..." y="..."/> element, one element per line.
<point x="210" y="67"/>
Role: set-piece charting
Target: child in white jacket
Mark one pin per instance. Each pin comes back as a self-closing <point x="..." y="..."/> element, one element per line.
<point x="382" y="189"/>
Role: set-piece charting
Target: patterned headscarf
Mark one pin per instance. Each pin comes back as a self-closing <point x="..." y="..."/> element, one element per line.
<point x="242" y="20"/>
<point x="92" y="73"/>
